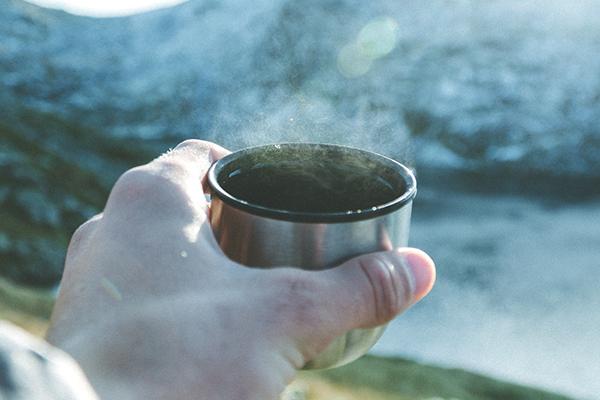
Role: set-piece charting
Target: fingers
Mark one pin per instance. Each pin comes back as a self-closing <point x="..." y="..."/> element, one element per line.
<point x="81" y="241"/>
<point x="191" y="158"/>
<point x="373" y="289"/>
<point x="82" y="234"/>
<point x="364" y="292"/>
<point x="171" y="184"/>
<point x="367" y="291"/>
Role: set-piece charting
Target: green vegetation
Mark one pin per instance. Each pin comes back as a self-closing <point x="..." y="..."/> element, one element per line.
<point x="369" y="378"/>
<point x="25" y="307"/>
<point x="395" y="378"/>
<point x="54" y="174"/>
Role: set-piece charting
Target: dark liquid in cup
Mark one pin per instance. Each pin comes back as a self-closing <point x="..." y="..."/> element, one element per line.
<point x="321" y="181"/>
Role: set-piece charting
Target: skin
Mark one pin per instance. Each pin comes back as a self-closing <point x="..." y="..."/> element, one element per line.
<point x="151" y="308"/>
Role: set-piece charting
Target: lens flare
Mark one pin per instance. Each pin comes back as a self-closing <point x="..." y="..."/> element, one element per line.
<point x="352" y="62"/>
<point x="378" y="38"/>
<point x="375" y="40"/>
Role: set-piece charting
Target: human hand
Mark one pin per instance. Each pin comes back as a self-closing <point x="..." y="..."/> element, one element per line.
<point x="152" y="309"/>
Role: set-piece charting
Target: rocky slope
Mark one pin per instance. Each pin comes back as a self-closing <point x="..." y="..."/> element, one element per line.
<point x="495" y="96"/>
<point x="496" y="90"/>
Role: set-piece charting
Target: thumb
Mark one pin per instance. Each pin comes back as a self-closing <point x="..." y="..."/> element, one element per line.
<point x="372" y="289"/>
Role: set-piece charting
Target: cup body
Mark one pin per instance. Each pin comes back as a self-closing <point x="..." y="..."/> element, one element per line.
<point x="264" y="237"/>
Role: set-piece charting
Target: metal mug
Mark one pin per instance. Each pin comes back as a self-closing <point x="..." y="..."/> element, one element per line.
<point x="256" y="231"/>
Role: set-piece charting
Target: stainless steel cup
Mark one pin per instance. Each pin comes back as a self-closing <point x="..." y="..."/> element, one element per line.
<point x="311" y="232"/>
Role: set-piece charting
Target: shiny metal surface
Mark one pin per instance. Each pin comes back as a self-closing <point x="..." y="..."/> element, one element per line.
<point x="263" y="242"/>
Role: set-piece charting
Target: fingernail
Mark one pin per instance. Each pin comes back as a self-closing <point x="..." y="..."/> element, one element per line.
<point x="422" y="268"/>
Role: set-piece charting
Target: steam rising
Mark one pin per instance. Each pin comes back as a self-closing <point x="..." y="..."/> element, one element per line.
<point x="477" y="85"/>
<point x="312" y="179"/>
<point x="462" y="85"/>
<point x="472" y="85"/>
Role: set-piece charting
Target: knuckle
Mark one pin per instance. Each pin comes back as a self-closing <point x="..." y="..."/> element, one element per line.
<point x="143" y="191"/>
<point x="83" y="233"/>
<point x="193" y="147"/>
<point x="194" y="143"/>
<point x="390" y="288"/>
<point x="136" y="180"/>
<point x="140" y="185"/>
<point x="200" y="149"/>
<point x="167" y="168"/>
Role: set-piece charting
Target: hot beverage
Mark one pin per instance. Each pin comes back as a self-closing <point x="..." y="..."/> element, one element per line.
<point x="311" y="206"/>
<point x="330" y="180"/>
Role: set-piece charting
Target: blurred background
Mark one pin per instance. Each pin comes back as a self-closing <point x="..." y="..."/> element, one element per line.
<point x="495" y="104"/>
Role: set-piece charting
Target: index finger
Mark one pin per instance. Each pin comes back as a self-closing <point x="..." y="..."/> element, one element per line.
<point x="170" y="182"/>
<point x="191" y="159"/>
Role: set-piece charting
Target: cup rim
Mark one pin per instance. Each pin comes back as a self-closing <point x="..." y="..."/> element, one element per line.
<point x="312" y="217"/>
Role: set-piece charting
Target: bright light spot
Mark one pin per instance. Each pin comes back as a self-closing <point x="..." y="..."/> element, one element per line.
<point x="378" y="37"/>
<point x="111" y="289"/>
<point x="352" y="62"/>
<point x="375" y="40"/>
<point x="183" y="254"/>
<point x="106" y="8"/>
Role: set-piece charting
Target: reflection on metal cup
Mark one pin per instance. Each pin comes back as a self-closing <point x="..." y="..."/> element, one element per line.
<point x="311" y="206"/>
